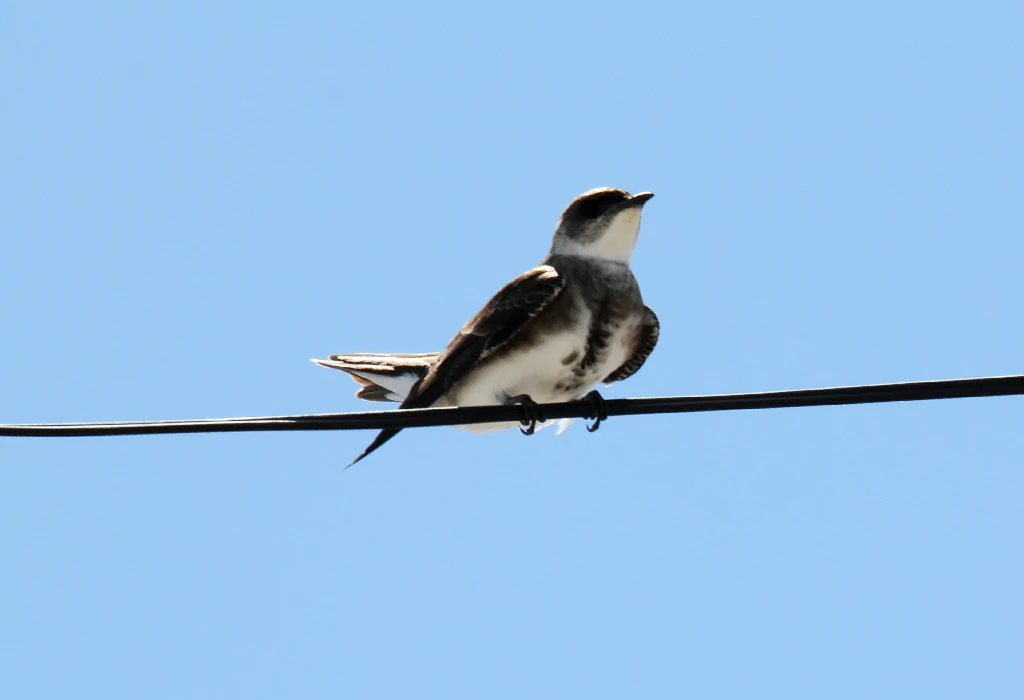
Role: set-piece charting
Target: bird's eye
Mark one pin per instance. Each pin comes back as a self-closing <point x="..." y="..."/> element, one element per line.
<point x="590" y="209"/>
<point x="595" y="206"/>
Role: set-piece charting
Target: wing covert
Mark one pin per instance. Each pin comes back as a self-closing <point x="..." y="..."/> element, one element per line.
<point x="498" y="322"/>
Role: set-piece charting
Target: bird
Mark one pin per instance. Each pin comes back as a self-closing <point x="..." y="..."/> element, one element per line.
<point x="552" y="334"/>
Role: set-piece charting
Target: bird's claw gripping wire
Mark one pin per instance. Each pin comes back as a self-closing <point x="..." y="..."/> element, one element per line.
<point x="531" y="413"/>
<point x="598" y="409"/>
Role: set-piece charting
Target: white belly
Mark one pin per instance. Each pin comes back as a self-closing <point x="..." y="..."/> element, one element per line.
<point x="537" y="372"/>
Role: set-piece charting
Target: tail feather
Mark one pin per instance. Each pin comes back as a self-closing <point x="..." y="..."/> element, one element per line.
<point x="383" y="377"/>
<point x="414" y="400"/>
<point x="372" y="392"/>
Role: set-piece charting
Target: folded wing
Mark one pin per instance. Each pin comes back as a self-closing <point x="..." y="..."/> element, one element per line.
<point x="498" y="322"/>
<point x="648" y="339"/>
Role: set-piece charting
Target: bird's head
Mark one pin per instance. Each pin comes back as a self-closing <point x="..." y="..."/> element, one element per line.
<point x="602" y="223"/>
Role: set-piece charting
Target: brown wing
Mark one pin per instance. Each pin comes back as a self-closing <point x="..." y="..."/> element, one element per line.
<point x="648" y="339"/>
<point x="500" y="320"/>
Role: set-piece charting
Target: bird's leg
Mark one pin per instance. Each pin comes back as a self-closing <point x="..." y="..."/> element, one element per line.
<point x="531" y="412"/>
<point x="598" y="409"/>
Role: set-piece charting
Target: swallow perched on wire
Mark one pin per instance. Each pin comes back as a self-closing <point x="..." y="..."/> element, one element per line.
<point x="551" y="334"/>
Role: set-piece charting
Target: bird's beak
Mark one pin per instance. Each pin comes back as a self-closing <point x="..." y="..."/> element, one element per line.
<point x="639" y="199"/>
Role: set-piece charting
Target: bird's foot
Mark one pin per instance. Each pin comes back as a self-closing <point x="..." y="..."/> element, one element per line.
<point x="531" y="412"/>
<point x="598" y="409"/>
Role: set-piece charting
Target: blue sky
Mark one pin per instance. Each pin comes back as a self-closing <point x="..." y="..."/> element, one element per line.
<point x="196" y="199"/>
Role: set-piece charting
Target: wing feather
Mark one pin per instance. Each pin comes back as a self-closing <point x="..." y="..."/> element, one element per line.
<point x="648" y="339"/>
<point x="498" y="322"/>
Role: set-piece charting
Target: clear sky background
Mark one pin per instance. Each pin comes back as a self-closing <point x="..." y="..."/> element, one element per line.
<point x="196" y="198"/>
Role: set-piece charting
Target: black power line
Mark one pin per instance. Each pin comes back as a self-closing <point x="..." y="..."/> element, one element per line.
<point x="428" y="417"/>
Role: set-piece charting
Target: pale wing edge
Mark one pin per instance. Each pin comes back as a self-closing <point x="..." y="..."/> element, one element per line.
<point x="650" y="331"/>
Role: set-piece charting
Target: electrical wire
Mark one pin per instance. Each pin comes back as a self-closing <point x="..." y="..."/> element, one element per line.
<point x="429" y="417"/>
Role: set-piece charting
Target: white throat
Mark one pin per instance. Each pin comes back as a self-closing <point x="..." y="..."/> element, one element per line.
<point x="616" y="243"/>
